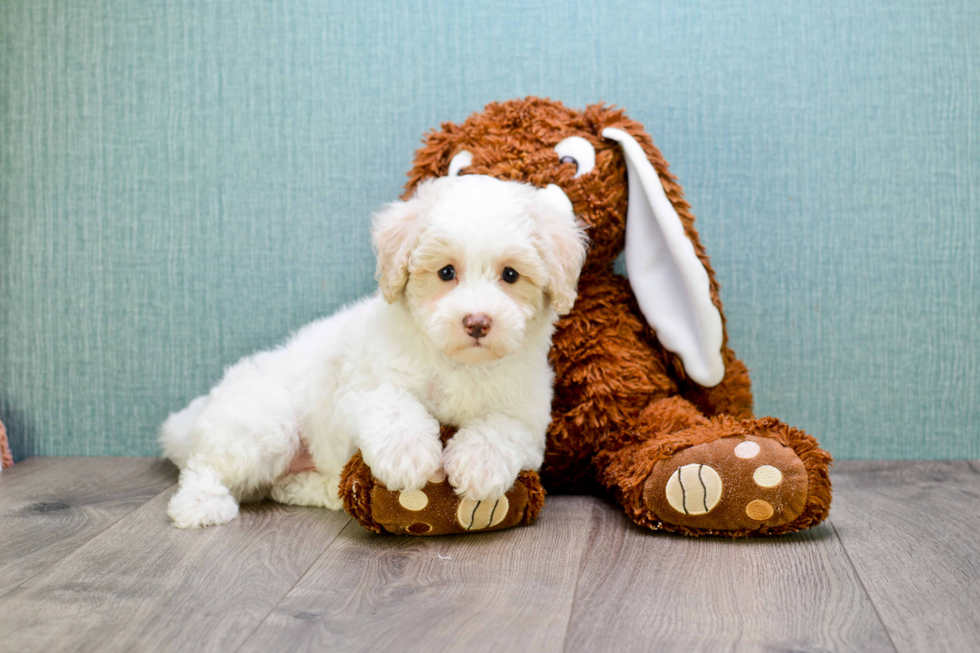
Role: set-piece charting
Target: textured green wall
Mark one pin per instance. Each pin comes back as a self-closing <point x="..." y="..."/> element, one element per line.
<point x="184" y="182"/>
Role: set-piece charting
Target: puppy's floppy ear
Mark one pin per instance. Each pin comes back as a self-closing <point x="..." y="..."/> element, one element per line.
<point x="670" y="283"/>
<point x="395" y="232"/>
<point x="563" y="248"/>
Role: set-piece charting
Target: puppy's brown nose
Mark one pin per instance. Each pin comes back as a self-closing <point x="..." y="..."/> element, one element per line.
<point x="477" y="325"/>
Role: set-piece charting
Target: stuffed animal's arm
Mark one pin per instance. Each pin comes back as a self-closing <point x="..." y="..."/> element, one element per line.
<point x="607" y="366"/>
<point x="733" y="396"/>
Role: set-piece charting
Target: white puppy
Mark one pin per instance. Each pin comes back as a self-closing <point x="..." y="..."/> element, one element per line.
<point x="473" y="273"/>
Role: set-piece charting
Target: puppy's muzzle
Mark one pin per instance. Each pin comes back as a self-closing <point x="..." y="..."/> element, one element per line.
<point x="477" y="324"/>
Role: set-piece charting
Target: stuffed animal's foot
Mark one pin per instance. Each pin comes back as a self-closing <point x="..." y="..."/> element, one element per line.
<point x="732" y="484"/>
<point x="729" y="477"/>
<point x="435" y="509"/>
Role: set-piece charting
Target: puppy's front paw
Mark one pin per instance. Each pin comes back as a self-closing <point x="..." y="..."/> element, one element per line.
<point x="405" y="463"/>
<point x="477" y="468"/>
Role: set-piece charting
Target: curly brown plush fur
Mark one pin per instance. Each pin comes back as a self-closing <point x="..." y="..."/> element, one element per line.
<point x="625" y="414"/>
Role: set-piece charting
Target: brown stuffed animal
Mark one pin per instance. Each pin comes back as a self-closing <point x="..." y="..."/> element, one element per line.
<point x="651" y="405"/>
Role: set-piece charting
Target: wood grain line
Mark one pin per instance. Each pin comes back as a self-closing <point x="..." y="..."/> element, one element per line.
<point x="145" y="585"/>
<point x="911" y="529"/>
<point x="50" y="507"/>
<point x="643" y="590"/>
<point x="505" y="591"/>
<point x="350" y="524"/>
<point x="90" y="563"/>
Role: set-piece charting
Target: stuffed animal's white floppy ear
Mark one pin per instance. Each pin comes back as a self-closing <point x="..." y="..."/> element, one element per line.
<point x="668" y="279"/>
<point x="395" y="231"/>
<point x="565" y="246"/>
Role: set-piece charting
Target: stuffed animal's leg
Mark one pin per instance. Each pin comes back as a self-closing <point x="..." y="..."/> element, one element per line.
<point x="680" y="471"/>
<point x="436" y="509"/>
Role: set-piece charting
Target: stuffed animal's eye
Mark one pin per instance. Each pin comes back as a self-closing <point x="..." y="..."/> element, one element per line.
<point x="579" y="151"/>
<point x="461" y="160"/>
<point x="510" y="275"/>
<point x="448" y="273"/>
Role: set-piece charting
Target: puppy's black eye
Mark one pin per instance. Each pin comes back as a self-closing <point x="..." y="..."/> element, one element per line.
<point x="448" y="273"/>
<point x="569" y="159"/>
<point x="510" y="275"/>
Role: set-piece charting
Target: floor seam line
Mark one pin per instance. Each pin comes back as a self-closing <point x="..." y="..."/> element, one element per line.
<point x="864" y="588"/>
<point x="293" y="586"/>
<point x="578" y="580"/>
<point x="9" y="590"/>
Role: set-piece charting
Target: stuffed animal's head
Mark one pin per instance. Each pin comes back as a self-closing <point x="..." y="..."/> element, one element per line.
<point x="481" y="263"/>
<point x="619" y="186"/>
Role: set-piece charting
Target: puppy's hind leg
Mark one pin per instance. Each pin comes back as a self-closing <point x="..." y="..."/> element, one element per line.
<point x="202" y="499"/>
<point x="309" y="488"/>
<point x="175" y="434"/>
<point x="240" y="443"/>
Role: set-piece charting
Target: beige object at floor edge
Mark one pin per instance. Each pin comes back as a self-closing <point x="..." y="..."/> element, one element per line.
<point x="6" y="460"/>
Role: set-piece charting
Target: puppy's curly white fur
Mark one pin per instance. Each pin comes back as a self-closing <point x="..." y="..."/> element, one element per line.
<point x="473" y="273"/>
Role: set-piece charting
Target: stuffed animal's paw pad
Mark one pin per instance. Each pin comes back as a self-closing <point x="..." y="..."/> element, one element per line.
<point x="767" y="476"/>
<point x="759" y="510"/>
<point x="694" y="489"/>
<point x="747" y="449"/>
<point x="413" y="500"/>
<point x="732" y="483"/>
<point x="477" y="515"/>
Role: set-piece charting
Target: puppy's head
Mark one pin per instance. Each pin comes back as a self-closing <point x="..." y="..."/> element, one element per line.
<point x="479" y="261"/>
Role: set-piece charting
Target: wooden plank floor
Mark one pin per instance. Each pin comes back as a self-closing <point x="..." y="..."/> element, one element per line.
<point x="89" y="562"/>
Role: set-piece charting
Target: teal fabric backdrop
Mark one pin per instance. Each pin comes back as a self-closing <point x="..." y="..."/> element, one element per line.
<point x="182" y="182"/>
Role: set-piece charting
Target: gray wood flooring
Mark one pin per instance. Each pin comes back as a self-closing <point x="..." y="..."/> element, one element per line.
<point x="89" y="562"/>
